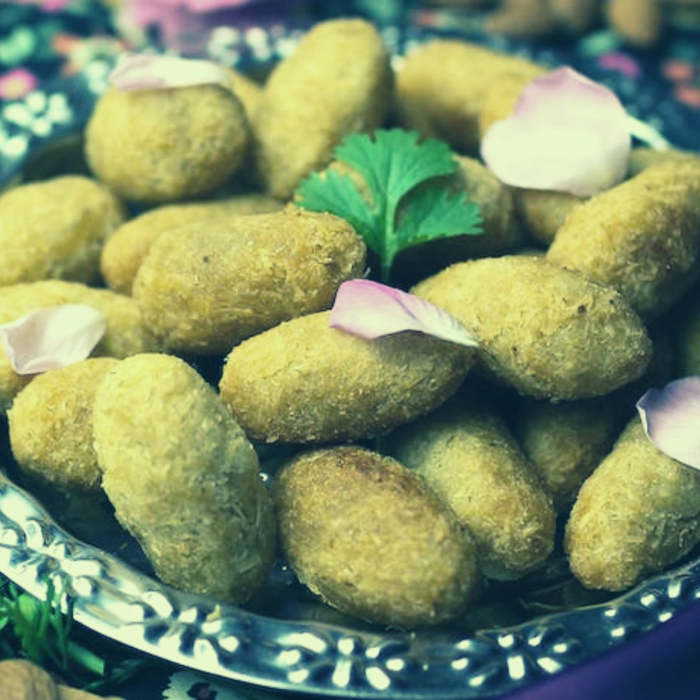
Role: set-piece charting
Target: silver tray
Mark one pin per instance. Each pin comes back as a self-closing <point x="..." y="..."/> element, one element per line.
<point x="307" y="656"/>
<point x="288" y="648"/>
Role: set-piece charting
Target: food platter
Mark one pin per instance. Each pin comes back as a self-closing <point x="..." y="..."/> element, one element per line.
<point x="309" y="656"/>
<point x="286" y="645"/>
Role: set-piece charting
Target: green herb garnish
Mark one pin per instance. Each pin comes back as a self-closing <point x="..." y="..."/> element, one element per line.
<point x="37" y="630"/>
<point x="392" y="163"/>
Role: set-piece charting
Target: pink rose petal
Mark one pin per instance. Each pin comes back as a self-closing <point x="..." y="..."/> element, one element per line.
<point x="371" y="310"/>
<point x="153" y="72"/>
<point x="566" y="133"/>
<point x="52" y="338"/>
<point x="671" y="419"/>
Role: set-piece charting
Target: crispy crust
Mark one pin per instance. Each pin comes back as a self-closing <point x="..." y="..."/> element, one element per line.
<point x="202" y="288"/>
<point x="468" y="457"/>
<point x="183" y="478"/>
<point x="365" y="533"/>
<point x="641" y="237"/>
<point x="303" y="381"/>
<point x="337" y="81"/>
<point x="55" y="229"/>
<point x="636" y="514"/>
<point x="546" y="331"/>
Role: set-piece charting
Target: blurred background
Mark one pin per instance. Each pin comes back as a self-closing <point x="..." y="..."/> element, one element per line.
<point x="648" y="51"/>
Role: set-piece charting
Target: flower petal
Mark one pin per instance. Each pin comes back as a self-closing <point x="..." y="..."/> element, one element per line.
<point x="671" y="419"/>
<point x="153" y="72"/>
<point x="566" y="133"/>
<point x="51" y="338"/>
<point x="371" y="310"/>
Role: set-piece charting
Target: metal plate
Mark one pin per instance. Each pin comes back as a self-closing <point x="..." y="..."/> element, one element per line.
<point x="309" y="656"/>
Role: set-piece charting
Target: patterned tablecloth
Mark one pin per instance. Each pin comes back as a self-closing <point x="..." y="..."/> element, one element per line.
<point x="44" y="42"/>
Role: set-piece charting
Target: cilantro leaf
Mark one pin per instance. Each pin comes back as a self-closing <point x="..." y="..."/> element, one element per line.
<point x="435" y="212"/>
<point x="392" y="163"/>
<point x="337" y="193"/>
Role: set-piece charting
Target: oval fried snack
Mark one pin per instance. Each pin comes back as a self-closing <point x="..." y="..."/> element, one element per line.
<point x="546" y="331"/>
<point x="125" y="335"/>
<point x="336" y="82"/>
<point x="126" y="248"/>
<point x="441" y="88"/>
<point x="365" y="534"/>
<point x="183" y="478"/>
<point x="204" y="287"/>
<point x="164" y="145"/>
<point x="637" y="513"/>
<point x="305" y="382"/>
<point x="468" y="457"/>
<point x="641" y="237"/>
<point x="55" y="229"/>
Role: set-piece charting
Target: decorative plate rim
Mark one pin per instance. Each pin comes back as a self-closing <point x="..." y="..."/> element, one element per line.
<point x="115" y="600"/>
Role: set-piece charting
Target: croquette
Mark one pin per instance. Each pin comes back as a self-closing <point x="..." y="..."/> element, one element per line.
<point x="565" y="442"/>
<point x="126" y="248"/>
<point x="183" y="478"/>
<point x="50" y="426"/>
<point x="470" y="460"/>
<point x="305" y="382"/>
<point x="637" y="513"/>
<point x="546" y="331"/>
<point x="641" y="237"/>
<point x="204" y="287"/>
<point x="55" y="229"/>
<point x="441" y="88"/>
<point x="543" y="212"/>
<point x="337" y="81"/>
<point x="125" y="335"/>
<point x="365" y="534"/>
<point x="165" y="145"/>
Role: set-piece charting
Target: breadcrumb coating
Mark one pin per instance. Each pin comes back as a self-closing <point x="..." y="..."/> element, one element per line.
<point x="365" y="534"/>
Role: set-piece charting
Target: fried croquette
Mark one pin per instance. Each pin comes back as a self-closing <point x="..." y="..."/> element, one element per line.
<point x="183" y="478"/>
<point x="441" y="88"/>
<point x="125" y="335"/>
<point x="469" y="459"/>
<point x="365" y="534"/>
<point x="565" y="442"/>
<point x="50" y="426"/>
<point x="338" y="81"/>
<point x="204" y="287"/>
<point x="305" y="382"/>
<point x="546" y="331"/>
<point x="641" y="237"/>
<point x="55" y="229"/>
<point x="126" y="248"/>
<point x="637" y="513"/>
<point x="165" y="145"/>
